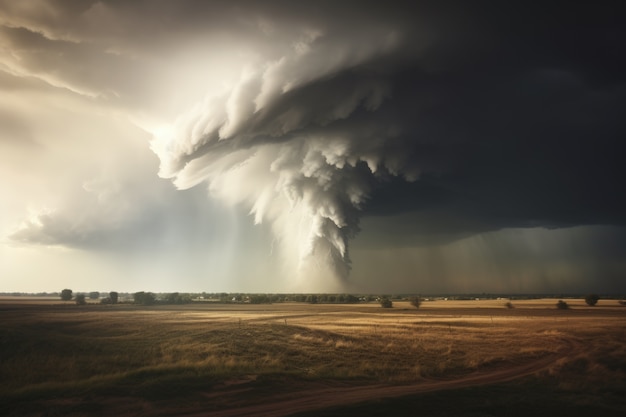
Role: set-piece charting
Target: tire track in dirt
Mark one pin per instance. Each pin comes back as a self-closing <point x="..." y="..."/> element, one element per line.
<point x="309" y="399"/>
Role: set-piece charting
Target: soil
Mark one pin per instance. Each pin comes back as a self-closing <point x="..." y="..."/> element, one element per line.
<point x="249" y="396"/>
<point x="238" y="399"/>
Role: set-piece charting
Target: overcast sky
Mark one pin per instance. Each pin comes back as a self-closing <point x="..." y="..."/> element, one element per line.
<point x="283" y="146"/>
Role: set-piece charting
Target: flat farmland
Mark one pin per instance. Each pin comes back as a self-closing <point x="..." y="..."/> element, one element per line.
<point x="473" y="357"/>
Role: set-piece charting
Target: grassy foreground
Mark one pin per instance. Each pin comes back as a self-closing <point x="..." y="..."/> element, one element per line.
<point x="127" y="360"/>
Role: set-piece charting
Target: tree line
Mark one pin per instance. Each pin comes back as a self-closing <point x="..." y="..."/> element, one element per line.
<point x="80" y="298"/>
<point x="149" y="298"/>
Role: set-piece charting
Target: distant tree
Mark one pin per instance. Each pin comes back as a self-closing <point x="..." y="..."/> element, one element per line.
<point x="352" y="299"/>
<point x="592" y="299"/>
<point x="386" y="303"/>
<point x="415" y="301"/>
<point x="509" y="304"/>
<point x="144" y="298"/>
<point x="184" y="299"/>
<point x="171" y="298"/>
<point x="260" y="299"/>
<point x="311" y="298"/>
<point x="80" y="299"/>
<point x="113" y="296"/>
<point x="66" y="295"/>
<point x="562" y="305"/>
<point x="94" y="295"/>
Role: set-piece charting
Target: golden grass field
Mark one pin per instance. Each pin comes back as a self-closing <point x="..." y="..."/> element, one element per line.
<point x="300" y="359"/>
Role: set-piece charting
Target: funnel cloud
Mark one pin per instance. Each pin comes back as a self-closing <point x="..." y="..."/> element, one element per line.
<point x="299" y="141"/>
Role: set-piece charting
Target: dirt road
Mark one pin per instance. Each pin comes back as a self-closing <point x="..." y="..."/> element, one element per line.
<point x="311" y="398"/>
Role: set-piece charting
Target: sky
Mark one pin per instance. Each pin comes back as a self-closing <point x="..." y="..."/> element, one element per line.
<point x="281" y="146"/>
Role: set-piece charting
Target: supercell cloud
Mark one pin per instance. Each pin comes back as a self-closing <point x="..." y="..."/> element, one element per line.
<point x="299" y="139"/>
<point x="419" y="139"/>
<point x="492" y="124"/>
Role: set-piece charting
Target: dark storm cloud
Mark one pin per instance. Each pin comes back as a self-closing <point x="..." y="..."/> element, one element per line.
<point x="526" y="120"/>
<point x="444" y="119"/>
<point x="506" y="115"/>
<point x="524" y="152"/>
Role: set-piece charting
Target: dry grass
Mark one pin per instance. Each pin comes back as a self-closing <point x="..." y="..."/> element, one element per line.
<point x="50" y="350"/>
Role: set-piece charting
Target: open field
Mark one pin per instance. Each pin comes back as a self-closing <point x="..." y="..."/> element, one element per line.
<point x="447" y="358"/>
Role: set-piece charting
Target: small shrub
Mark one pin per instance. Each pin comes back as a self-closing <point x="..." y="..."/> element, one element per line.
<point x="113" y="296"/>
<point x="509" y="304"/>
<point x="66" y="294"/>
<point x="415" y="301"/>
<point x="80" y="299"/>
<point x="592" y="299"/>
<point x="562" y="305"/>
<point x="386" y="303"/>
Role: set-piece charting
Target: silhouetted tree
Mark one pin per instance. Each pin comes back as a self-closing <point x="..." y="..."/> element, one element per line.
<point x="386" y="303"/>
<point x="66" y="295"/>
<point x="416" y="301"/>
<point x="144" y="298"/>
<point x="562" y="305"/>
<point x="80" y="299"/>
<point x="113" y="296"/>
<point x="94" y="295"/>
<point x="592" y="299"/>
